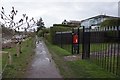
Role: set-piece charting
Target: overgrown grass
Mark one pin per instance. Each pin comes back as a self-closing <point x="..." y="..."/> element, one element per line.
<point x="109" y="63"/>
<point x="95" y="47"/>
<point x="19" y="64"/>
<point x="76" y="69"/>
<point x="4" y="59"/>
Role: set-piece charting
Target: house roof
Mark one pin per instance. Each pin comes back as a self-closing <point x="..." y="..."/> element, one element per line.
<point x="100" y="16"/>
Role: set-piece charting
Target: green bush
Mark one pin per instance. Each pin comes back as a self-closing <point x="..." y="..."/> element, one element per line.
<point x="63" y="25"/>
<point x="112" y="36"/>
<point x="110" y="22"/>
<point x="47" y="37"/>
<point x="40" y="32"/>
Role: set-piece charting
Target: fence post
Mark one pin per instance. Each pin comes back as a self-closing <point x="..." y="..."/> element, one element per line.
<point x="89" y="34"/>
<point x="83" y="54"/>
<point x="9" y="58"/>
<point x="78" y="42"/>
<point x="17" y="50"/>
<point x="55" y="39"/>
<point x="72" y="39"/>
<point x="118" y="54"/>
<point x="86" y="44"/>
<point x="119" y="48"/>
<point x="61" y="40"/>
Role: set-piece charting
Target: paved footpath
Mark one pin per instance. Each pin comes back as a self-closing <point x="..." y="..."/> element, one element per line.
<point x="42" y="65"/>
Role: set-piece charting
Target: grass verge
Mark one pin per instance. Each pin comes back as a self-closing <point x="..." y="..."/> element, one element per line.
<point x="94" y="47"/>
<point x="76" y="69"/>
<point x="19" y="64"/>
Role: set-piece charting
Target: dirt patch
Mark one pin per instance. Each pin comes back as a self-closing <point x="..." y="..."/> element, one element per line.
<point x="72" y="57"/>
<point x="8" y="45"/>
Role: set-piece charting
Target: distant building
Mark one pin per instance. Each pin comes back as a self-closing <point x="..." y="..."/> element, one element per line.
<point x="72" y="23"/>
<point x="65" y="22"/>
<point x="95" y="21"/>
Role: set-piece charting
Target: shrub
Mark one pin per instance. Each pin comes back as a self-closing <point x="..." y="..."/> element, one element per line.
<point x="111" y="22"/>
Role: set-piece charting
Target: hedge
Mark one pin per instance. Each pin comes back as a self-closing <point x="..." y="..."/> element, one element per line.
<point x="54" y="29"/>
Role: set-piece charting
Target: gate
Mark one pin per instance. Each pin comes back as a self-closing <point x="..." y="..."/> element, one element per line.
<point x="83" y="40"/>
<point x="98" y="45"/>
<point x="102" y="46"/>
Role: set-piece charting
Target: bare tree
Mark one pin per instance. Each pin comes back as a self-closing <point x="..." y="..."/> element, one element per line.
<point x="10" y="23"/>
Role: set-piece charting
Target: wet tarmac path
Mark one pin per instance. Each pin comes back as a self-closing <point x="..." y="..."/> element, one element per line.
<point x="42" y="65"/>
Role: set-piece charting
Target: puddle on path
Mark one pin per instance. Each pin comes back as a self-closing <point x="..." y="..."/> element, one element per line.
<point x="42" y="65"/>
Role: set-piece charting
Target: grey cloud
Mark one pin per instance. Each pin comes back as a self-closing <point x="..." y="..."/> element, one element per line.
<point x="57" y="11"/>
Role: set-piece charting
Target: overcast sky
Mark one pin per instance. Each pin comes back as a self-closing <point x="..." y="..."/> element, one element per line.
<point x="55" y="11"/>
